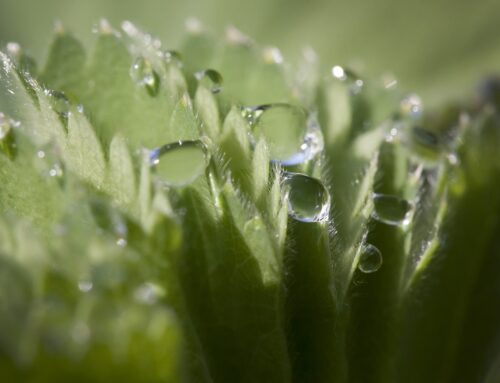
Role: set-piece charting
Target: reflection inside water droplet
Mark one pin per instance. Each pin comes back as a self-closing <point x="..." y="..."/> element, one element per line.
<point x="210" y="79"/>
<point x="179" y="163"/>
<point x="293" y="136"/>
<point x="307" y="198"/>
<point x="370" y="259"/>
<point x="391" y="209"/>
<point x="143" y="74"/>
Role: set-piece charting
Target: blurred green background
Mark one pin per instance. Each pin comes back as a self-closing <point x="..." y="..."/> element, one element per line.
<point x="439" y="48"/>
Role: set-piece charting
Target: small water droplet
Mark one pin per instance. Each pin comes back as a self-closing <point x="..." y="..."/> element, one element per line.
<point x="293" y="136"/>
<point x="452" y="159"/>
<point x="411" y="106"/>
<point x="13" y="49"/>
<point x="370" y="259"/>
<point x="349" y="77"/>
<point x="172" y="57"/>
<point x="272" y="55"/>
<point x="179" y="163"/>
<point x="56" y="170"/>
<point x="149" y="293"/>
<point x="393" y="133"/>
<point x="194" y="25"/>
<point x="391" y="209"/>
<point x="236" y="37"/>
<point x="85" y="286"/>
<point x="59" y="103"/>
<point x="7" y="138"/>
<point x="307" y="198"/>
<point x="210" y="79"/>
<point x="143" y="74"/>
<point x="121" y="242"/>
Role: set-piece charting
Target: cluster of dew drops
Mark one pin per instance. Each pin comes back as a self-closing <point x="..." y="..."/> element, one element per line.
<point x="292" y="133"/>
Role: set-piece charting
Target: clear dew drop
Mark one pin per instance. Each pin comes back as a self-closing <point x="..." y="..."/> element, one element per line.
<point x="85" y="285"/>
<point x="411" y="106"/>
<point x="210" y="79"/>
<point x="7" y="138"/>
<point x="143" y="74"/>
<point x="347" y="76"/>
<point x="370" y="259"/>
<point x="425" y="144"/>
<point x="293" y="136"/>
<point x="121" y="242"/>
<point x="59" y="103"/>
<point x="172" y="57"/>
<point x="179" y="163"/>
<point x="390" y="209"/>
<point x="148" y="293"/>
<point x="307" y="198"/>
<point x="56" y="171"/>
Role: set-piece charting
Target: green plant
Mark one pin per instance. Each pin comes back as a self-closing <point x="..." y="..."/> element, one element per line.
<point x="159" y="224"/>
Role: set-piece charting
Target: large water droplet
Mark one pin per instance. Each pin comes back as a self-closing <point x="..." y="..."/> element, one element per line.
<point x="293" y="136"/>
<point x="391" y="209"/>
<point x="143" y="74"/>
<point x="210" y="79"/>
<point x="425" y="144"/>
<point x="7" y="139"/>
<point x="370" y="259"/>
<point x="308" y="199"/>
<point x="179" y="163"/>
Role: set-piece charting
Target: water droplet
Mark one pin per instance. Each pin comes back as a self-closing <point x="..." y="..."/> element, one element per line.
<point x="179" y="163"/>
<point x="391" y="209"/>
<point x="149" y="293"/>
<point x="210" y="79"/>
<point x="293" y="136"/>
<point x="308" y="199"/>
<point x="121" y="242"/>
<point x="194" y="25"/>
<point x="172" y="57"/>
<point x="370" y="259"/>
<point x="425" y="144"/>
<point x="143" y="74"/>
<point x="7" y="139"/>
<point x="349" y="77"/>
<point x="236" y="37"/>
<point x="56" y="171"/>
<point x="59" y="103"/>
<point x="85" y="286"/>
<point x="411" y="106"/>
<point x="272" y="55"/>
